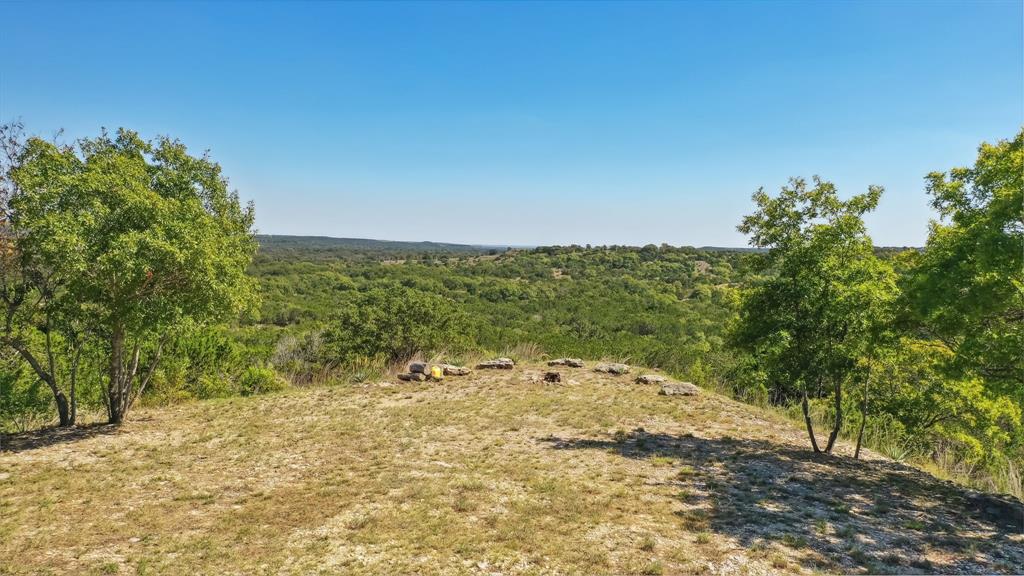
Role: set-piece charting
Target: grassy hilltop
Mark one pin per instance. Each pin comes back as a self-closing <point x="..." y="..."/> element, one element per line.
<point x="494" y="473"/>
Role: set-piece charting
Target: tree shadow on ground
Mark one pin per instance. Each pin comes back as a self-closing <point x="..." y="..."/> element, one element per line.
<point x="833" y="512"/>
<point x="35" y="439"/>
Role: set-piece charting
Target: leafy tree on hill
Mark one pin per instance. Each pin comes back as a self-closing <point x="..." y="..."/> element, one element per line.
<point x="141" y="237"/>
<point x="967" y="287"/>
<point x="39" y="322"/>
<point x="964" y="296"/>
<point x="809" y="323"/>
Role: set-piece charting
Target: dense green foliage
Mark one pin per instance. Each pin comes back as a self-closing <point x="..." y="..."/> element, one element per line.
<point x="819" y="312"/>
<point x="116" y="244"/>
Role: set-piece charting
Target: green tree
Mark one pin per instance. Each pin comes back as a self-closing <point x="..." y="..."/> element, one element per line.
<point x="810" y="321"/>
<point x="393" y="322"/>
<point x="967" y="287"/>
<point x="142" y="238"/>
<point x="39" y="323"/>
<point x="964" y="296"/>
<point x="931" y="409"/>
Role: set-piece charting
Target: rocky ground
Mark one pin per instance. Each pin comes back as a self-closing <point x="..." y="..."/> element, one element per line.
<point x="498" y="472"/>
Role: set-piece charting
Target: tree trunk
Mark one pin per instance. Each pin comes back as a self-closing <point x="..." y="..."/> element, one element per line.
<point x="807" y="420"/>
<point x="860" y="432"/>
<point x="837" y="426"/>
<point x="63" y="409"/>
<point x="115" y="388"/>
<point x="863" y="412"/>
<point x="73" y="378"/>
<point x="122" y="392"/>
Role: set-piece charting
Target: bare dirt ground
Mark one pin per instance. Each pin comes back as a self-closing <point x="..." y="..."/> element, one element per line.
<point x="494" y="473"/>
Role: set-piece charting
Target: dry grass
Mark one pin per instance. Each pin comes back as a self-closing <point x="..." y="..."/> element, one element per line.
<point x="493" y="473"/>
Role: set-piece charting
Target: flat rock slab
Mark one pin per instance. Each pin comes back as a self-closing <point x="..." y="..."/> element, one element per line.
<point x="678" y="389"/>
<point x="413" y="377"/>
<point x="571" y="362"/>
<point x="452" y="370"/>
<point x="650" y="379"/>
<point x="612" y="368"/>
<point x="497" y="364"/>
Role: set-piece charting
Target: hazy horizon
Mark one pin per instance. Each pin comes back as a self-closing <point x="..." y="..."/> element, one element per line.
<point x="533" y="123"/>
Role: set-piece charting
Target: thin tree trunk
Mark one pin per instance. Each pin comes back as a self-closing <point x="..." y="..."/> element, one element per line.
<point x="63" y="414"/>
<point x="122" y="391"/>
<point x="115" y="388"/>
<point x="807" y="420"/>
<point x="863" y="412"/>
<point x="837" y="426"/>
<point x="144" y="381"/>
<point x="63" y="409"/>
<point x="73" y="379"/>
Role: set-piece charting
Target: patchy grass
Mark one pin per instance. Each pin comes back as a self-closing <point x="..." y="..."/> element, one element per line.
<point x="492" y="473"/>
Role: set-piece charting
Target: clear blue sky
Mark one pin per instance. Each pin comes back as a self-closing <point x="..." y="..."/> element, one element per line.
<point x="532" y="123"/>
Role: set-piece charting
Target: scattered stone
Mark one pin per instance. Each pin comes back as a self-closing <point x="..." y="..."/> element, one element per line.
<point x="413" y="377"/>
<point x="571" y="362"/>
<point x="452" y="370"/>
<point x="552" y="377"/>
<point x="499" y="364"/>
<point x="678" y="389"/>
<point x="612" y="368"/>
<point x="650" y="379"/>
<point x="419" y="367"/>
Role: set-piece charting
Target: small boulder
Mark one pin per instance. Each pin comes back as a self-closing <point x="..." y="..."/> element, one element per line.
<point x="571" y="362"/>
<point x="678" y="389"/>
<point x="413" y="377"/>
<point x="452" y="370"/>
<point x="552" y="377"/>
<point x="419" y="367"/>
<point x="498" y="364"/>
<point x="650" y="379"/>
<point x="612" y="368"/>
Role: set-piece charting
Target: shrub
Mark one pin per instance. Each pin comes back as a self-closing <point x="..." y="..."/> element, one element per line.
<point x="393" y="323"/>
<point x="259" y="380"/>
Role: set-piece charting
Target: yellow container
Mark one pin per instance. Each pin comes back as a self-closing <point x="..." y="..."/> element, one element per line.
<point x="437" y="373"/>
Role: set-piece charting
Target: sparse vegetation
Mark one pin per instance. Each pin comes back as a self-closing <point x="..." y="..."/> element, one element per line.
<point x="383" y="477"/>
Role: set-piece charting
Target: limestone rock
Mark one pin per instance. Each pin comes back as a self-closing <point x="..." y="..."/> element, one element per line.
<point x="452" y="370"/>
<point x="650" y="379"/>
<point x="571" y="362"/>
<point x="498" y="363"/>
<point x="413" y="377"/>
<point x="612" y="368"/>
<point x="678" y="389"/>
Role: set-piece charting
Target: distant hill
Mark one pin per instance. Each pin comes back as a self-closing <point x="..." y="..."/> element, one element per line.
<point x="272" y="242"/>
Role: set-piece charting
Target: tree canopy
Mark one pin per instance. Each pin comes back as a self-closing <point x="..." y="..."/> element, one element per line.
<point x="127" y="240"/>
<point x="813" y="318"/>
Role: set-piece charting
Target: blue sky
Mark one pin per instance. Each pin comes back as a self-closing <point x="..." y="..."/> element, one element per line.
<point x="532" y="123"/>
